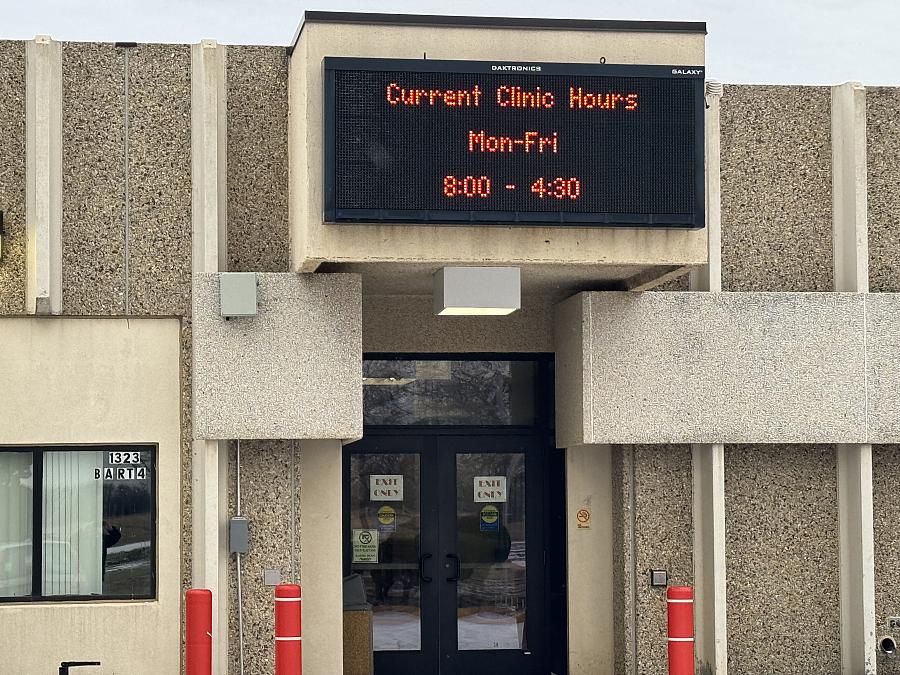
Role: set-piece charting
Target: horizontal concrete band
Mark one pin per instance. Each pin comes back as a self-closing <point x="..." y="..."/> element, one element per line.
<point x="728" y="368"/>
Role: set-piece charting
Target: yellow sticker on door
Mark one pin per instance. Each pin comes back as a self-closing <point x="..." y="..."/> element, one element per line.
<point x="490" y="519"/>
<point x="387" y="519"/>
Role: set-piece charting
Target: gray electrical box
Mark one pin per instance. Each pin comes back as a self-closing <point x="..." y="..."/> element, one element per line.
<point x="238" y="534"/>
<point x="237" y="294"/>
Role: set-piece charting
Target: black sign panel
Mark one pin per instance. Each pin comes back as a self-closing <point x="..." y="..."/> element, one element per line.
<point x="462" y="142"/>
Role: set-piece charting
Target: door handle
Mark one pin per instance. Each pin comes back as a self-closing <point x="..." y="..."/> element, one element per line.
<point x="422" y="559"/>
<point x="455" y="559"/>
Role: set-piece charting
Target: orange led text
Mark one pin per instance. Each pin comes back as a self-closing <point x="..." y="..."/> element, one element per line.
<point x="397" y="95"/>
<point x="579" y="99"/>
<point x="530" y="141"/>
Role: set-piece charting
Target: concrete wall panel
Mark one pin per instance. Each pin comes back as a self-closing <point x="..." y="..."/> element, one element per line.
<point x="572" y="367"/>
<point x="406" y="323"/>
<point x="76" y="381"/>
<point x="782" y="560"/>
<point x="12" y="176"/>
<point x="883" y="136"/>
<point x="292" y="371"/>
<point x="159" y="164"/>
<point x="776" y="188"/>
<point x="93" y="176"/>
<point x="589" y="558"/>
<point x="258" y="237"/>
<point x="704" y="368"/>
<point x="883" y="376"/>
<point x="885" y="469"/>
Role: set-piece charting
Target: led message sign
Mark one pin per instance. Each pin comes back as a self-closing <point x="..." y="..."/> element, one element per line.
<point x="465" y="142"/>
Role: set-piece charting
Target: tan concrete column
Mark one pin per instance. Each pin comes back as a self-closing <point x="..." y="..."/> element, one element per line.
<point x="321" y="556"/>
<point x="710" y="617"/>
<point x="43" y="176"/>
<point x="209" y="529"/>
<point x="208" y="157"/>
<point x="849" y="186"/>
<point x="209" y="460"/>
<point x="708" y="460"/>
<point x="854" y="461"/>
<point x="589" y="560"/>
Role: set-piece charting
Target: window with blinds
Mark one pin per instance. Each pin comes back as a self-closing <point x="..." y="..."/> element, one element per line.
<point x="77" y="522"/>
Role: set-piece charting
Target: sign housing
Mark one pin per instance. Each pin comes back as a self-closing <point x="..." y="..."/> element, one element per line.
<point x="479" y="142"/>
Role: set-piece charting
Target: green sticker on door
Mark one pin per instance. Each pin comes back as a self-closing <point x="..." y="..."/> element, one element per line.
<point x="490" y="519"/>
<point x="365" y="546"/>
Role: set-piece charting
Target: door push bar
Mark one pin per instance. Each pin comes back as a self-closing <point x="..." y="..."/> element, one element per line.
<point x="422" y="559"/>
<point x="65" y="665"/>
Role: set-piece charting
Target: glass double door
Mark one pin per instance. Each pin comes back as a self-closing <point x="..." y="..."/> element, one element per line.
<point x="447" y="535"/>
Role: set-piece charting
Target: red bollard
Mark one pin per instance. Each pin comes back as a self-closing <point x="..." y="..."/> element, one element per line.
<point x="288" y="643"/>
<point x="680" y="601"/>
<point x="198" y="632"/>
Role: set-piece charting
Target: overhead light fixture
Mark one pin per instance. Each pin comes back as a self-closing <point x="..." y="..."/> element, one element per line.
<point x="477" y="291"/>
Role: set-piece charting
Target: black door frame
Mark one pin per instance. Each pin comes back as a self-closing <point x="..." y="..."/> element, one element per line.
<point x="547" y="642"/>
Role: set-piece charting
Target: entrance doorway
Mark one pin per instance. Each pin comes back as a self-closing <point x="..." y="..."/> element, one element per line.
<point x="447" y="523"/>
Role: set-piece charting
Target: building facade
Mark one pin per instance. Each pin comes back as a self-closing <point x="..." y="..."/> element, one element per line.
<point x="719" y="403"/>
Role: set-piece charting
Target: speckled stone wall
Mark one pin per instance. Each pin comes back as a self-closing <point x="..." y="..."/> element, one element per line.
<point x="652" y="509"/>
<point x="93" y="178"/>
<point x="258" y="235"/>
<point x="781" y="549"/>
<point x="776" y="188"/>
<point x="158" y="240"/>
<point x="12" y="176"/>
<point x="885" y="469"/>
<point x="158" y="159"/>
<point x="623" y="567"/>
<point x="883" y="139"/>
<point x="270" y="480"/>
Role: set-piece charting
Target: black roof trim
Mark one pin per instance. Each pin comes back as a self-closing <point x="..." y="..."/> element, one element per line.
<point x="497" y="22"/>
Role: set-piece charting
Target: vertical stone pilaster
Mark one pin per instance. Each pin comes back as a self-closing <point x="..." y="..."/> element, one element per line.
<point x="708" y="460"/>
<point x="854" y="461"/>
<point x="210" y="254"/>
<point x="43" y="171"/>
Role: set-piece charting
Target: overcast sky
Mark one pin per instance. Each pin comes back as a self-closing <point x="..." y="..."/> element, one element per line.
<point x="753" y="41"/>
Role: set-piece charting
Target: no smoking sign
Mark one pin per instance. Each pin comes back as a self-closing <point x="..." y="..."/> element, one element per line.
<point x="583" y="518"/>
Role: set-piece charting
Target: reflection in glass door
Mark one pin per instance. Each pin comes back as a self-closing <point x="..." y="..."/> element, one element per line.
<point x="491" y="537"/>
<point x="447" y="535"/>
<point x="385" y="540"/>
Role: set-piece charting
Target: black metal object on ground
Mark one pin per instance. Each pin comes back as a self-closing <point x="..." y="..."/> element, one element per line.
<point x="65" y="665"/>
